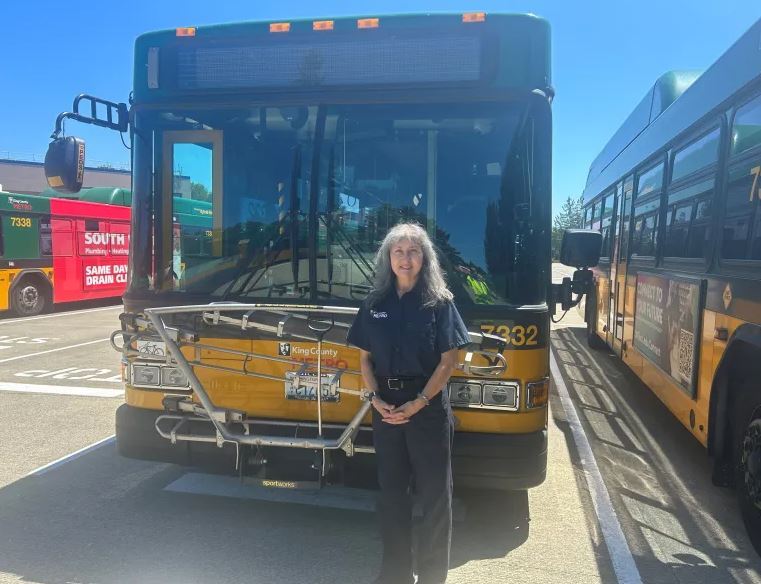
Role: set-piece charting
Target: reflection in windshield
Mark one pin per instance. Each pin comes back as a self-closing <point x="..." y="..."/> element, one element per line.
<point x="310" y="192"/>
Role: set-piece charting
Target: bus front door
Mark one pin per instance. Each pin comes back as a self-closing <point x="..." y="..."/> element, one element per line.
<point x="618" y="263"/>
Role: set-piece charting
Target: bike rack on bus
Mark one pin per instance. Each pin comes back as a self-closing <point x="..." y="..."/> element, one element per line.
<point x="315" y="324"/>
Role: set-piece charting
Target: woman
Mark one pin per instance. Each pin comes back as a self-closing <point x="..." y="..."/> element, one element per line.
<point x="408" y="332"/>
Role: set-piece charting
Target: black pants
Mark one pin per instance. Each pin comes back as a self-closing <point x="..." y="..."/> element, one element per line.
<point x="415" y="455"/>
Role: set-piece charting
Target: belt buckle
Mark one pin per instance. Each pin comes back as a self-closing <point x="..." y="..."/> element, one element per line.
<point x="393" y="381"/>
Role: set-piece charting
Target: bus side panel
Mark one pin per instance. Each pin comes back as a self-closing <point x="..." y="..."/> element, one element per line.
<point x="4" y="288"/>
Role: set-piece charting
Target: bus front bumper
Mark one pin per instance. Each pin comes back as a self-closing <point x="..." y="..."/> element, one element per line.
<point x="506" y="462"/>
<point x="479" y="461"/>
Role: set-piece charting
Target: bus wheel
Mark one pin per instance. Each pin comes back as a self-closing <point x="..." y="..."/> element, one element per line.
<point x="28" y="297"/>
<point x="748" y="479"/>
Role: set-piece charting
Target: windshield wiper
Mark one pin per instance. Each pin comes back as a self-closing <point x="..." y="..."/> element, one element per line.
<point x="351" y="249"/>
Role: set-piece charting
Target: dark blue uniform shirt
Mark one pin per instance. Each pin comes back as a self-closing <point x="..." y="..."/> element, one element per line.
<point x="405" y="338"/>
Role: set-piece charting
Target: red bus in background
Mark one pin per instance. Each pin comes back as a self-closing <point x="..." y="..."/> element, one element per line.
<point x="90" y="249"/>
<point x="62" y="250"/>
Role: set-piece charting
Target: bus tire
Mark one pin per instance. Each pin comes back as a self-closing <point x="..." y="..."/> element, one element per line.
<point x="30" y="296"/>
<point x="594" y="342"/>
<point x="747" y="462"/>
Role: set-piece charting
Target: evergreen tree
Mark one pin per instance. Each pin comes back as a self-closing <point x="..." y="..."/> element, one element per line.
<point x="570" y="216"/>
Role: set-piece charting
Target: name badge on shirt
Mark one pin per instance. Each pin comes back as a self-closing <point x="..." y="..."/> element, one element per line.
<point x="376" y="314"/>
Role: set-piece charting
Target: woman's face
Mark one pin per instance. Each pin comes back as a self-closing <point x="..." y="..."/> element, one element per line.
<point x="406" y="260"/>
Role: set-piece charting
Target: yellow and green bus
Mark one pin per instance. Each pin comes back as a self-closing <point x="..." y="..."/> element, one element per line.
<point x="677" y="295"/>
<point x="310" y="139"/>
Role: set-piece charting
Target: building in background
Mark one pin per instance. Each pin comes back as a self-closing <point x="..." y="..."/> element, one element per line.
<point x="28" y="177"/>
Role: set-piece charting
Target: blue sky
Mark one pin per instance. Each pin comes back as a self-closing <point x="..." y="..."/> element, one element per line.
<point x="605" y="56"/>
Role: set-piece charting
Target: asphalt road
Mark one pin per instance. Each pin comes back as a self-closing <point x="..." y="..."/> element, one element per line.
<point x="98" y="518"/>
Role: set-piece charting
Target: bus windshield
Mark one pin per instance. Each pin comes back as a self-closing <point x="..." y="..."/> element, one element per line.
<point x="292" y="203"/>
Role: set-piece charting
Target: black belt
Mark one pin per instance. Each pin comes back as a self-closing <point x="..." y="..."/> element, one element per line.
<point x="405" y="384"/>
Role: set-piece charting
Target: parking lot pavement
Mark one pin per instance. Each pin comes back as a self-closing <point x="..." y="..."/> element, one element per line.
<point x="59" y="386"/>
<point x="678" y="526"/>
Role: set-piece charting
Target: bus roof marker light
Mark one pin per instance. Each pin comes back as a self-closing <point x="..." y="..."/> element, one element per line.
<point x="188" y="31"/>
<point x="368" y="23"/>
<point x="280" y="26"/>
<point x="323" y="25"/>
<point x="474" y="17"/>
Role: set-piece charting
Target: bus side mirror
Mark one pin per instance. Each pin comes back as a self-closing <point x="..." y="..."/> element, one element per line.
<point x="65" y="164"/>
<point x="580" y="248"/>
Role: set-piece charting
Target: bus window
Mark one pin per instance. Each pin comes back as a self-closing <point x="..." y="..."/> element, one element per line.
<point x="650" y="181"/>
<point x="699" y="240"/>
<point x="741" y="232"/>
<point x="746" y="129"/>
<point x="625" y="217"/>
<point x="46" y="242"/>
<point x="645" y="228"/>
<point x="596" y="215"/>
<point x="688" y="221"/>
<point x="2" y="241"/>
<point x="92" y="239"/>
<point x="194" y="192"/>
<point x="696" y="156"/>
<point x="606" y="224"/>
<point x="64" y="237"/>
<point x="737" y="219"/>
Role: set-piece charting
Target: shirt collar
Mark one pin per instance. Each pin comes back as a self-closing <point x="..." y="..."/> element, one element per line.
<point x="413" y="295"/>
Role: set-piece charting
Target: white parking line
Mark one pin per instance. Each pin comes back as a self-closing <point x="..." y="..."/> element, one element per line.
<point x="620" y="555"/>
<point x="61" y="390"/>
<point x="53" y="350"/>
<point x="69" y="457"/>
<point x="66" y="313"/>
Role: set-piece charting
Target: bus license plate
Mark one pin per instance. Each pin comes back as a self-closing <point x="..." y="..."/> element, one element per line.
<point x="304" y="387"/>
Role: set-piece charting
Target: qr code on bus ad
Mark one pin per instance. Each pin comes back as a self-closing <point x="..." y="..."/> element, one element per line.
<point x="686" y="354"/>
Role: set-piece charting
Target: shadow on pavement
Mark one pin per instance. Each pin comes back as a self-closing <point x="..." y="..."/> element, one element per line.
<point x="495" y="523"/>
<point x="679" y="527"/>
<point x="106" y="519"/>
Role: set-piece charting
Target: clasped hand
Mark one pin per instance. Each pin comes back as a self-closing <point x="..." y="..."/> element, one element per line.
<point x="397" y="414"/>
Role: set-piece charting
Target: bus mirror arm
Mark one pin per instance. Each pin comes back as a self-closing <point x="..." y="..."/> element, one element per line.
<point x="116" y="115"/>
<point x="580" y="285"/>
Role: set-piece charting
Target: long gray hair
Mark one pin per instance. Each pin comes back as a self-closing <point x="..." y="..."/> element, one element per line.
<point x="433" y="287"/>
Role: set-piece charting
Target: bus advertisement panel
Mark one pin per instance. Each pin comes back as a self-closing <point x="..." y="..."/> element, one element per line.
<point x="667" y="325"/>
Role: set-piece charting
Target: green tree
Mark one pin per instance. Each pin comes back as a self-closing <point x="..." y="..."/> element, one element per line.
<point x="198" y="192"/>
<point x="570" y="216"/>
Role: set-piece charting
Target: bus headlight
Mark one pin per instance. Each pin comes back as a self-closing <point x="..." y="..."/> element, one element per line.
<point x="537" y="393"/>
<point x="146" y="375"/>
<point x="173" y="377"/>
<point x="464" y="393"/>
<point x="504" y="395"/>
